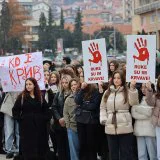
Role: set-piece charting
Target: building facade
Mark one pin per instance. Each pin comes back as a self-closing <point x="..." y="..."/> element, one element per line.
<point x="147" y="17"/>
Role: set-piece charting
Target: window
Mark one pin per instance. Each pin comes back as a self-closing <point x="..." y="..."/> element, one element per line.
<point x="35" y="29"/>
<point x="143" y="21"/>
<point x="152" y="18"/>
<point x="144" y="2"/>
<point x="158" y="15"/>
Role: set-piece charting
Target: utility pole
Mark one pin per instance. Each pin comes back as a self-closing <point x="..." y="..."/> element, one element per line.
<point x="114" y="41"/>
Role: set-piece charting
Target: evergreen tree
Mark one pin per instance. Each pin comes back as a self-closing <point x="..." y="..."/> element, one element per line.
<point x="5" y="24"/>
<point x="142" y="33"/>
<point x="62" y="20"/>
<point x="78" y="31"/>
<point x="50" y="18"/>
<point x="42" y="32"/>
<point x="50" y="35"/>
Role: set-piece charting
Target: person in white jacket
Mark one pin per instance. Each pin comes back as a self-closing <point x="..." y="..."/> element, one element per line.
<point x="11" y="126"/>
<point x="143" y="128"/>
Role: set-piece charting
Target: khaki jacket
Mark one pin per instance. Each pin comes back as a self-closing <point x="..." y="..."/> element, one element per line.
<point x="68" y="113"/>
<point x="114" y="114"/>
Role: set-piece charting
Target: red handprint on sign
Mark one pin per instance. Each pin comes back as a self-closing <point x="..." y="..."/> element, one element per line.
<point x="94" y="50"/>
<point x="141" y="47"/>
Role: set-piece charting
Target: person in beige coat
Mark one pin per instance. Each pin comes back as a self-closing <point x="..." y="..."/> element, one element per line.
<point x="115" y="115"/>
<point x="143" y="128"/>
<point x="153" y="99"/>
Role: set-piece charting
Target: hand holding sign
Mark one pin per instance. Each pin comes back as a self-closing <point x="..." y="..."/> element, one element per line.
<point x="84" y="85"/>
<point x="94" y="50"/>
<point x="141" y="47"/>
<point x="148" y="85"/>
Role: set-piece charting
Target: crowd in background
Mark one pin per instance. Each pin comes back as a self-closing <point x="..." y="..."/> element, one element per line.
<point x="73" y="120"/>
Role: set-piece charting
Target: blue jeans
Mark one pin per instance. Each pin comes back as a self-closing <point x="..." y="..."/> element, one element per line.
<point x="158" y="142"/>
<point x="73" y="144"/>
<point x="11" y="129"/>
<point x="146" y="148"/>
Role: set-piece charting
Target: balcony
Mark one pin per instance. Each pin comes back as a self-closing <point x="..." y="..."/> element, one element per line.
<point x="147" y="8"/>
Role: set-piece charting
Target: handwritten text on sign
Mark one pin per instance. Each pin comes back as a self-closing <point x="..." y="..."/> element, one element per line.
<point x="18" y="68"/>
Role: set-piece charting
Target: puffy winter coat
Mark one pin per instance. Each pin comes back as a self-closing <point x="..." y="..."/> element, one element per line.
<point x="114" y="113"/>
<point x="142" y="114"/>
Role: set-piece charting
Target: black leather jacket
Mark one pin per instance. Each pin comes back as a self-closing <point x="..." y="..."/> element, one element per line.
<point x="57" y="107"/>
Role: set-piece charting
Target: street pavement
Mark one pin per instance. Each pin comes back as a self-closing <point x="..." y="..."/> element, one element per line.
<point x="3" y="157"/>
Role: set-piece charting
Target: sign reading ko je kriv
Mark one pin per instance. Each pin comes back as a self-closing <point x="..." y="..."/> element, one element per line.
<point x="14" y="70"/>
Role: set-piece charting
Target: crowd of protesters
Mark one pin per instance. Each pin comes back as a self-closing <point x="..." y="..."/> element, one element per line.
<point x="73" y="120"/>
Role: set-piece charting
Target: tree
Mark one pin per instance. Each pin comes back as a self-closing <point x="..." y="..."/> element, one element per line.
<point x="5" y="24"/>
<point x="50" y="18"/>
<point x="50" y="35"/>
<point x="142" y="33"/>
<point x="12" y="29"/>
<point x="42" y="32"/>
<point x="78" y="31"/>
<point x="18" y="16"/>
<point x="62" y="20"/>
<point x="108" y="33"/>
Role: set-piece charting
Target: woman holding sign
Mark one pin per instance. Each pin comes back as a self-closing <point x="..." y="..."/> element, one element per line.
<point x="115" y="115"/>
<point x="154" y="100"/>
<point x="32" y="112"/>
<point x="143" y="128"/>
<point x="87" y="118"/>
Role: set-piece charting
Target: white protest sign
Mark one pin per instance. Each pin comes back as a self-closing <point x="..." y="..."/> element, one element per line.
<point x="95" y="61"/>
<point x="141" y="58"/>
<point x="14" y="70"/>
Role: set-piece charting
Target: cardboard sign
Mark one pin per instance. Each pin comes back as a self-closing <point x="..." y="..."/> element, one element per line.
<point x="14" y="70"/>
<point x="141" y="58"/>
<point x="95" y="61"/>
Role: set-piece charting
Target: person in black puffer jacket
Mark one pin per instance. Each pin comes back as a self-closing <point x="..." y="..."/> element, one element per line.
<point x="2" y="95"/>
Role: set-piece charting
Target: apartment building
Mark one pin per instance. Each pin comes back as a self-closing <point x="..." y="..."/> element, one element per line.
<point x="127" y="10"/>
<point x="147" y="17"/>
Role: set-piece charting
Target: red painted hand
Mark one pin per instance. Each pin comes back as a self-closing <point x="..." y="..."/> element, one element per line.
<point x="141" y="47"/>
<point x="94" y="50"/>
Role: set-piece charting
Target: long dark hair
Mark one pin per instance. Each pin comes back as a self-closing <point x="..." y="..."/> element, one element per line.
<point x="74" y="79"/>
<point x="89" y="90"/>
<point x="37" y="92"/>
<point x="125" y="91"/>
<point x="116" y="65"/>
<point x="140" y="93"/>
<point x="158" y="88"/>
